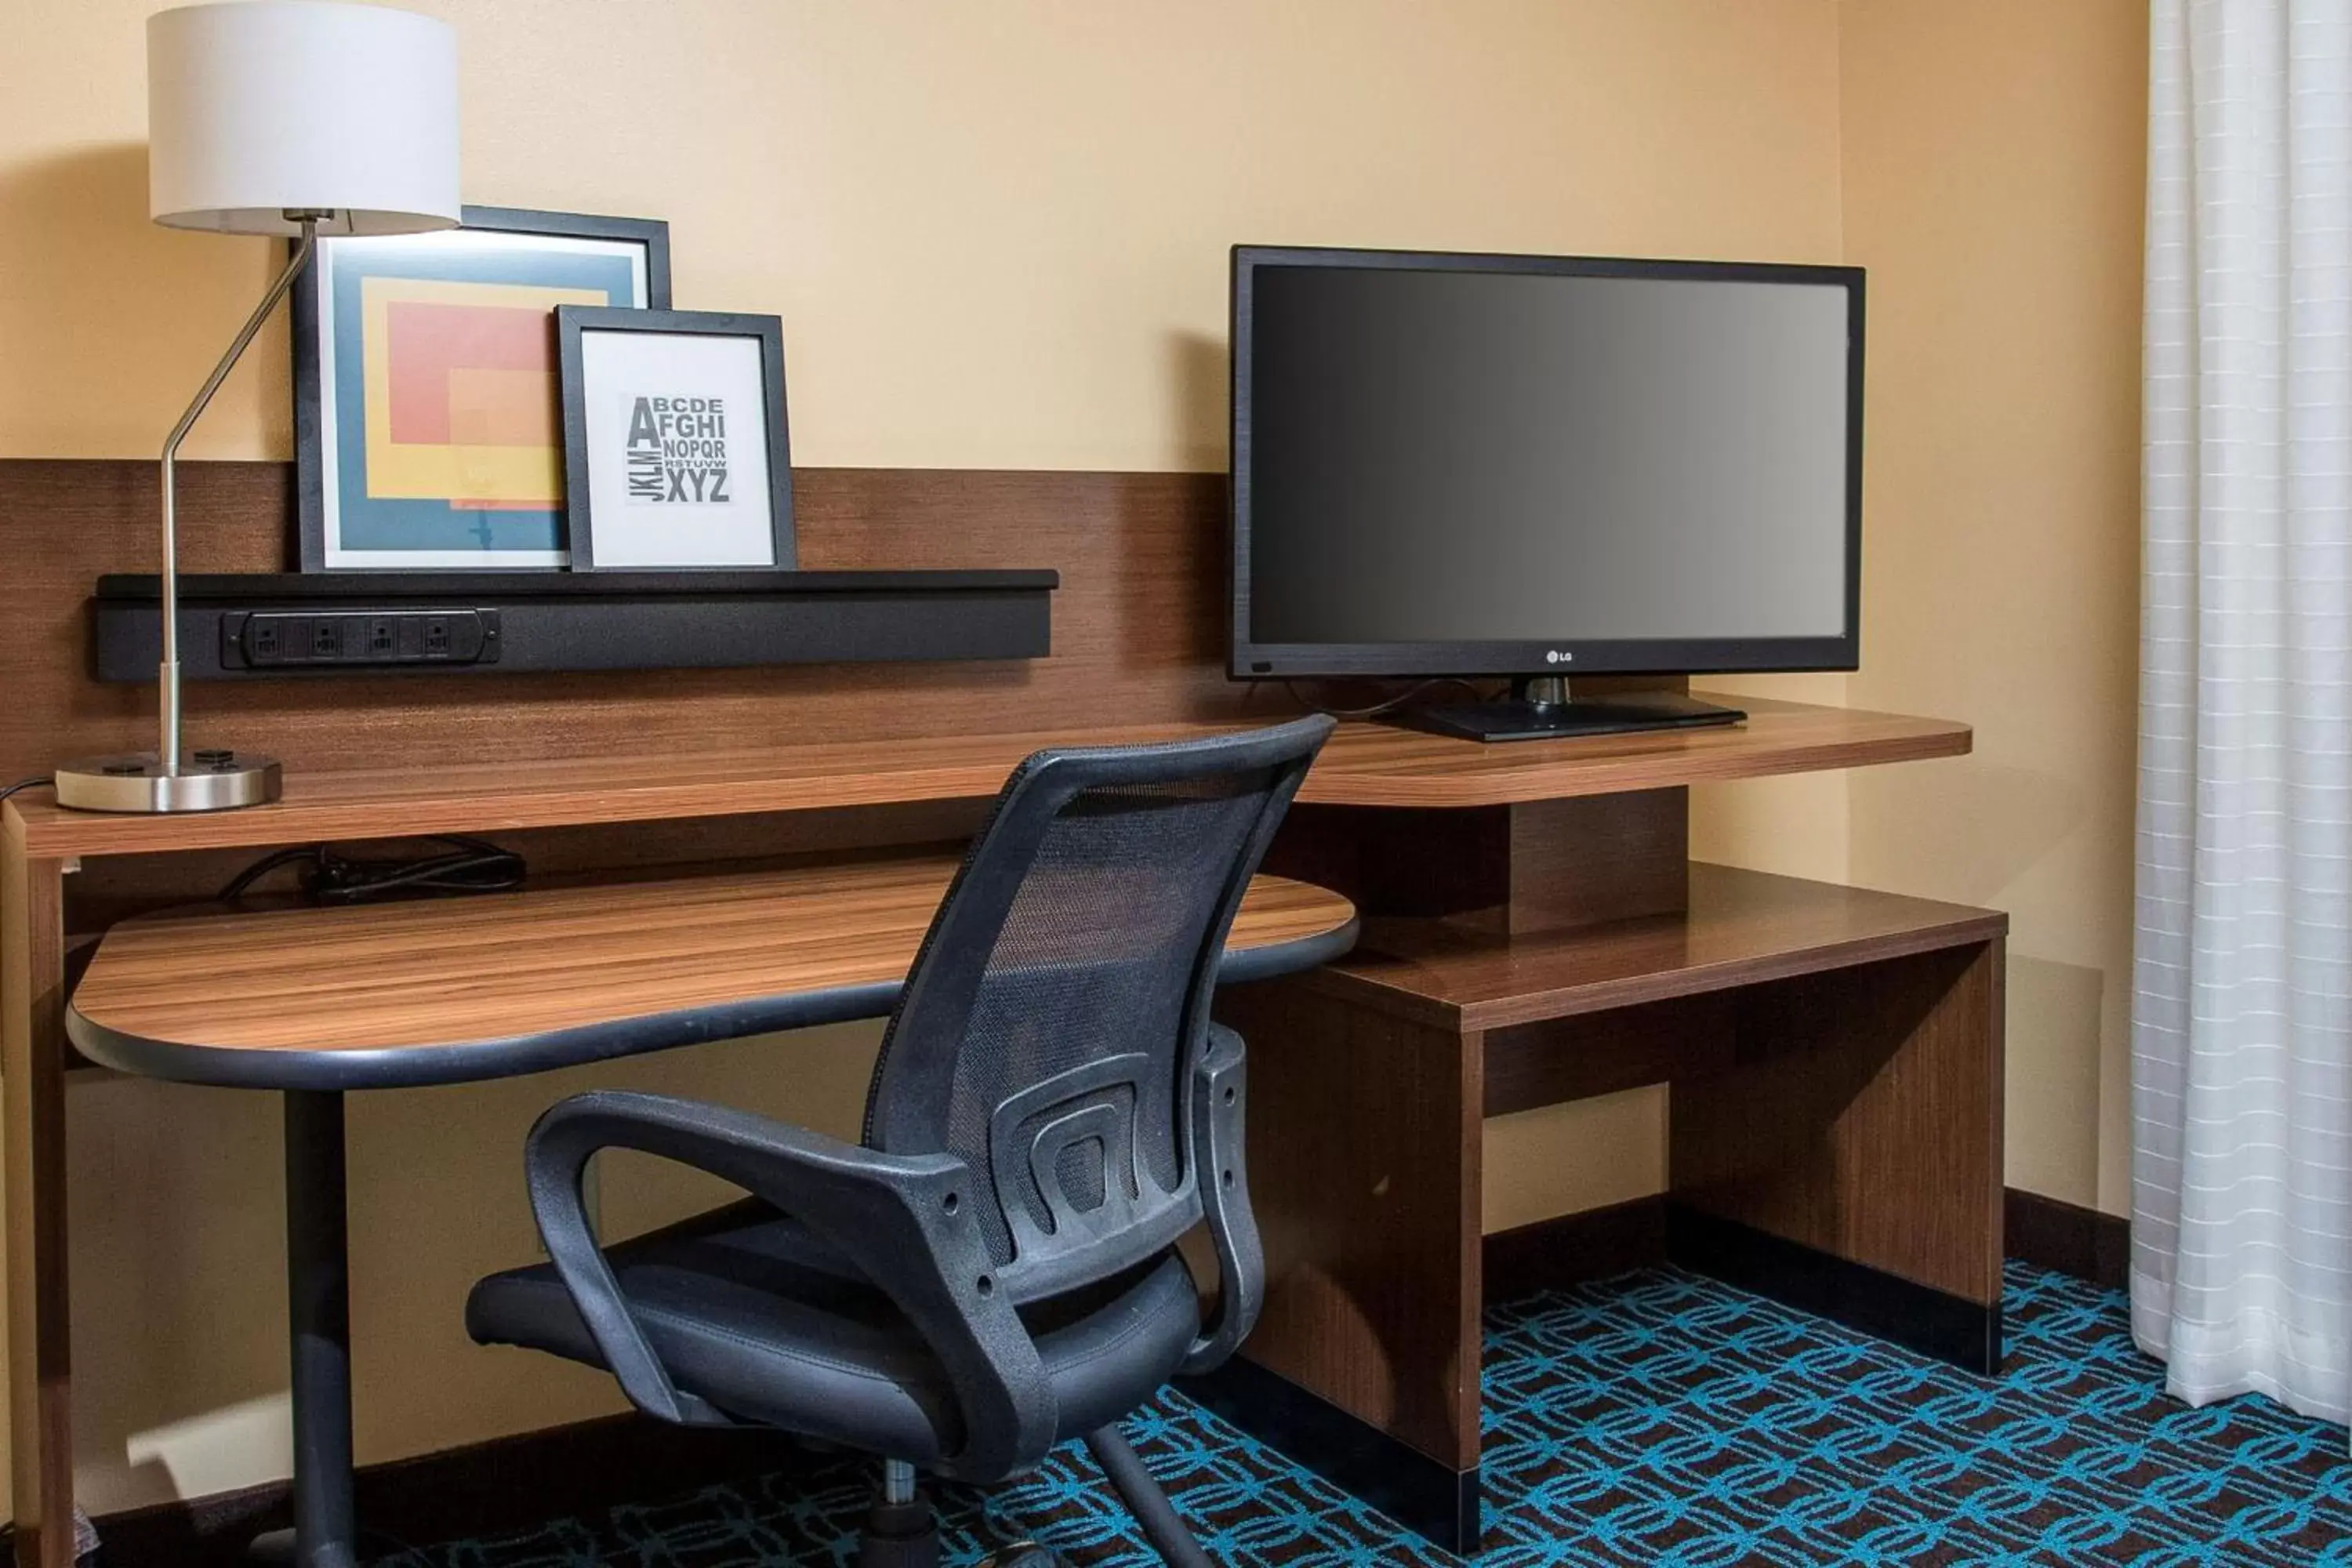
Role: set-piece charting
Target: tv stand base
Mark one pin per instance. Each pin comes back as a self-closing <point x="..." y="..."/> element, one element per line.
<point x="1541" y="709"/>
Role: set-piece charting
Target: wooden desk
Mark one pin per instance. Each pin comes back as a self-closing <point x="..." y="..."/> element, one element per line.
<point x="1833" y="1055"/>
<point x="399" y="996"/>
<point x="1510" y="839"/>
<point x="1740" y="928"/>
<point x="1363" y="765"/>
<point x="684" y="766"/>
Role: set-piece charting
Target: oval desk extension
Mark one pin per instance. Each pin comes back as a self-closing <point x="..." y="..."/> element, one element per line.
<point x="447" y="991"/>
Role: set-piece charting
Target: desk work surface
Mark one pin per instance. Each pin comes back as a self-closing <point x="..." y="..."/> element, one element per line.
<point x="1363" y="764"/>
<point x="1741" y="927"/>
<point x="447" y="989"/>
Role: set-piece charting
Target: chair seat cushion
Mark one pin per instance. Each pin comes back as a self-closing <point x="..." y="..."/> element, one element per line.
<point x="747" y="1309"/>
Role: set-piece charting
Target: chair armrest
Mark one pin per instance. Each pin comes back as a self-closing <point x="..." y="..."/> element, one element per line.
<point x="908" y="1222"/>
<point x="1220" y="1098"/>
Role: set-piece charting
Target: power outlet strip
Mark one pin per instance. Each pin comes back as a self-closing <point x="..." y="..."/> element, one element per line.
<point x="274" y="639"/>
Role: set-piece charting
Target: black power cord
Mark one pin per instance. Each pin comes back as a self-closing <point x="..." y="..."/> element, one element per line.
<point x="1389" y="706"/>
<point x="22" y="784"/>
<point x="472" y="866"/>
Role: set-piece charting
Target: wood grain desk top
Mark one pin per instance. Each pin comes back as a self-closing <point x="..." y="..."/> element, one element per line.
<point x="1742" y="927"/>
<point x="1364" y="764"/>
<point x="1382" y="765"/>
<point x="447" y="990"/>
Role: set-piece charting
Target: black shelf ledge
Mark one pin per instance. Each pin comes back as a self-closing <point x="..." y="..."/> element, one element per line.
<point x="279" y="626"/>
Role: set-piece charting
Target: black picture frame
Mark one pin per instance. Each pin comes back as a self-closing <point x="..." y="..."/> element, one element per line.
<point x="1249" y="658"/>
<point x="311" y="544"/>
<point x="576" y="323"/>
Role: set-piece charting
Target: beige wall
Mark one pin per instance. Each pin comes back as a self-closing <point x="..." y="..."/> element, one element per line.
<point x="1994" y="161"/>
<point x="996" y="232"/>
<point x="996" y="236"/>
<point x="1993" y="156"/>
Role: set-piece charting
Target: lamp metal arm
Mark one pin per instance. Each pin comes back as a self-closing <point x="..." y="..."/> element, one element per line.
<point x="168" y="673"/>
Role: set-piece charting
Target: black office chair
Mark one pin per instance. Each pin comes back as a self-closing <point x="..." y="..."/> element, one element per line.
<point x="995" y="1269"/>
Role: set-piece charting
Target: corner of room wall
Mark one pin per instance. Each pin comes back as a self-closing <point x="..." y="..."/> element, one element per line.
<point x="1994" y="167"/>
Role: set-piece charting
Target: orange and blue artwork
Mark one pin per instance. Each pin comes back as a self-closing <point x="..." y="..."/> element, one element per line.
<point x="439" y="431"/>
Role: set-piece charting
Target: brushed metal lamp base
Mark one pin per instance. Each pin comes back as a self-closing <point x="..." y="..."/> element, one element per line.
<point x="138" y="783"/>
<point x="135" y="784"/>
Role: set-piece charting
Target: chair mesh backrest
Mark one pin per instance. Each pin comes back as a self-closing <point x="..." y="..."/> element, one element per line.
<point x="1050" y="1028"/>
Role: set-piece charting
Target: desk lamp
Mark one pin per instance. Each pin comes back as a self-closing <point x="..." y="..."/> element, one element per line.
<point x="292" y="117"/>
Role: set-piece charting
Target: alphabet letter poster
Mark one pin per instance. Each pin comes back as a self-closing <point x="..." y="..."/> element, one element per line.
<point x="677" y="450"/>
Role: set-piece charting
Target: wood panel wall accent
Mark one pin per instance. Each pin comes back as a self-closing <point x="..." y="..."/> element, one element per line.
<point x="1139" y="640"/>
<point x="1139" y="625"/>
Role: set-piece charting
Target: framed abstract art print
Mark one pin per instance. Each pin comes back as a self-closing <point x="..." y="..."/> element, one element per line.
<point x="428" y="425"/>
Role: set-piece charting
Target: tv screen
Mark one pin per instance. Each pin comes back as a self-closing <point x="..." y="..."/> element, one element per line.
<point x="1499" y="465"/>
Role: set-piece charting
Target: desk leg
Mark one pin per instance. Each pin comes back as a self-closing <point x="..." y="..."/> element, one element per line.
<point x="1365" y="1158"/>
<point x="31" y="1081"/>
<point x="318" y="1278"/>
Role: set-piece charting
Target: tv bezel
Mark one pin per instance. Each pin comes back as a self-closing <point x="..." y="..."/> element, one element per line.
<point x="1568" y="655"/>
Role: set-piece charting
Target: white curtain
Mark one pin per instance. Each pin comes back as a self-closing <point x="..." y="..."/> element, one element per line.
<point x="2242" y="1016"/>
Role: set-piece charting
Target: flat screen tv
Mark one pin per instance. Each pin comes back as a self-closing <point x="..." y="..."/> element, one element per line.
<point x="1466" y="465"/>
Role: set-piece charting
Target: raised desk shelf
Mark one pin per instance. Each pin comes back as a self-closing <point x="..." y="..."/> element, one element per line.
<point x="445" y="990"/>
<point x="1742" y="927"/>
<point x="1364" y="764"/>
<point x="541" y="621"/>
<point x="1382" y="765"/>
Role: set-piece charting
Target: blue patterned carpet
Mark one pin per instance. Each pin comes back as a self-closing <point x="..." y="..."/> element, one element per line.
<point x="1659" y="1420"/>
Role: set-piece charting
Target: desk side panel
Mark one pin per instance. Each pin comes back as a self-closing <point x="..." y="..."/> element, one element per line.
<point x="32" y="1121"/>
<point x="1365" y="1140"/>
<point x="1862" y="1119"/>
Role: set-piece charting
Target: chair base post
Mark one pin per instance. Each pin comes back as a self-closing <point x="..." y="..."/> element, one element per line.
<point x="901" y="1530"/>
<point x="1152" y="1511"/>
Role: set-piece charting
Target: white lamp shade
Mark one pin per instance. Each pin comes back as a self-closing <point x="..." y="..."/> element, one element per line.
<point x="257" y="108"/>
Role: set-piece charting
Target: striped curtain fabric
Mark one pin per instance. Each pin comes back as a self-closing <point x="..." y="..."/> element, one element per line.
<point x="2242" y="1015"/>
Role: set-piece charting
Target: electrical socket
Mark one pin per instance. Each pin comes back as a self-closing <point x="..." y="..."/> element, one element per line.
<point x="274" y="639"/>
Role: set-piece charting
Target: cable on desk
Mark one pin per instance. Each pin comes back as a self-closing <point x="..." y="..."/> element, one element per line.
<point x="472" y="866"/>
<point x="22" y="784"/>
<point x="1389" y="706"/>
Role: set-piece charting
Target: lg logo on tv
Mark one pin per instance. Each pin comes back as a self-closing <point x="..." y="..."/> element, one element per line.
<point x="1555" y="656"/>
